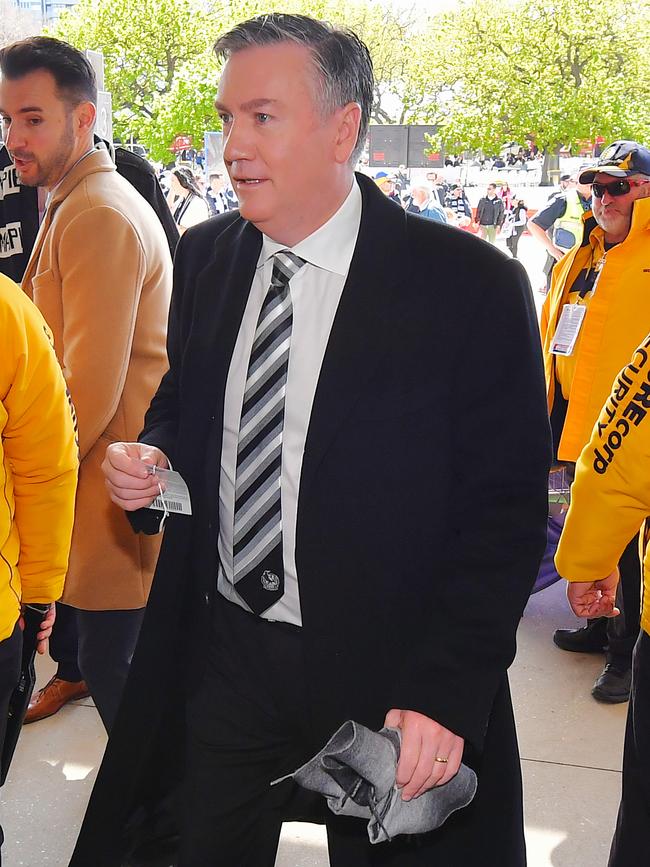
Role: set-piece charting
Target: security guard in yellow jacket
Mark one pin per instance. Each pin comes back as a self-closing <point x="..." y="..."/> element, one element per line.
<point x="597" y="311"/>
<point x="38" y="478"/>
<point x="610" y="502"/>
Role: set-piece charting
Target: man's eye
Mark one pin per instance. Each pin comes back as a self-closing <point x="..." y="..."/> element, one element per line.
<point x="225" y="118"/>
<point x="262" y="117"/>
<point x="35" y="121"/>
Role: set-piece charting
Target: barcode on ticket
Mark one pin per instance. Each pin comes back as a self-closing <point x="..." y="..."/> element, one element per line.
<point x="172" y="505"/>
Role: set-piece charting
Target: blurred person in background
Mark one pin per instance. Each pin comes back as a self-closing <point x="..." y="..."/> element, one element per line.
<point x="519" y="218"/>
<point x="425" y="203"/>
<point x="505" y="194"/>
<point x="186" y="200"/>
<point x="219" y="200"/>
<point x="559" y="225"/>
<point x="386" y="184"/>
<point x="458" y="202"/>
<point x="490" y="214"/>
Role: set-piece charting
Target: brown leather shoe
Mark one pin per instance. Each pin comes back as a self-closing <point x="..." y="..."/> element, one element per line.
<point x="53" y="696"/>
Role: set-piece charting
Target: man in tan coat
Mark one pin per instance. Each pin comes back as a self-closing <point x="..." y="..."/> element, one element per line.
<point x="100" y="272"/>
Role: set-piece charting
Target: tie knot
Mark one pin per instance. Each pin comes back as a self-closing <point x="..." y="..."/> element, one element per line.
<point x="285" y="266"/>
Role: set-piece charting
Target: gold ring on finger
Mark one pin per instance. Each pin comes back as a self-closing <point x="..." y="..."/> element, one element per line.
<point x="441" y="760"/>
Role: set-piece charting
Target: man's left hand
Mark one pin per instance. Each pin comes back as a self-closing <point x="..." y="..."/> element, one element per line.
<point x="45" y="630"/>
<point x="424" y="740"/>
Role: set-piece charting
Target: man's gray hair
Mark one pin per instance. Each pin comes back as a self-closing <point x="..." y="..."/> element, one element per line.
<point x="342" y="61"/>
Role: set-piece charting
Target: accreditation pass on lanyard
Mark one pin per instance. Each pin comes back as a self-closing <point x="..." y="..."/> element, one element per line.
<point x="568" y="329"/>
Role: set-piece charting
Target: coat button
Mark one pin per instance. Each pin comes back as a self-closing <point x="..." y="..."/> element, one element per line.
<point x="207" y="598"/>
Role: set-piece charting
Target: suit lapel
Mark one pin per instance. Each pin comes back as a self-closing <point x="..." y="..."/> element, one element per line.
<point x="35" y="255"/>
<point x="223" y="287"/>
<point x="360" y="332"/>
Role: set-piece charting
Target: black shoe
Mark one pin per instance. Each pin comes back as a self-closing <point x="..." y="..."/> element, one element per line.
<point x="613" y="684"/>
<point x="591" y="638"/>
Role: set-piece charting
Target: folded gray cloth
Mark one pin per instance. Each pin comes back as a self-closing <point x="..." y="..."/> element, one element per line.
<point x="355" y="771"/>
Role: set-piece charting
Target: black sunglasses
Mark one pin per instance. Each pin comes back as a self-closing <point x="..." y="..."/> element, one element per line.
<point x="614" y="188"/>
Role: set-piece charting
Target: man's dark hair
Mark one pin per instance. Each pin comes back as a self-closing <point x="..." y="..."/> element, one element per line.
<point x="73" y="74"/>
<point x="341" y="60"/>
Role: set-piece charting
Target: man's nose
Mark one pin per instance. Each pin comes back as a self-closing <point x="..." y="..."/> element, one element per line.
<point x="13" y="139"/>
<point x="237" y="144"/>
<point x="607" y="197"/>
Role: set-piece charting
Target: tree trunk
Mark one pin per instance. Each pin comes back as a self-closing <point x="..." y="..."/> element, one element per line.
<point x="551" y="167"/>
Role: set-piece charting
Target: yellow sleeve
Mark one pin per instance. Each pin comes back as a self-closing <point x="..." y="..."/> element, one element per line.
<point x="39" y="443"/>
<point x="101" y="294"/>
<point x="610" y="497"/>
<point x="544" y="318"/>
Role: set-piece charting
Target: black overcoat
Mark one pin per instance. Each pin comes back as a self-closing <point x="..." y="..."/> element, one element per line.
<point x="421" y="516"/>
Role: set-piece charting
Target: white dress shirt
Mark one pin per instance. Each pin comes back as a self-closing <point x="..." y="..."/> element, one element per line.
<point x="315" y="294"/>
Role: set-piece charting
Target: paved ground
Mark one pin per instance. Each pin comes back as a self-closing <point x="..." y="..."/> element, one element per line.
<point x="570" y="746"/>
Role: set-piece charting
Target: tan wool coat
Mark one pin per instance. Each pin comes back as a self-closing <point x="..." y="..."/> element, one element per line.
<point x="100" y="272"/>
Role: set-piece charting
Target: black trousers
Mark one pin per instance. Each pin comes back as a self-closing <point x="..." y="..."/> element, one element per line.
<point x="249" y="723"/>
<point x="96" y="646"/>
<point x="512" y="243"/>
<point x="631" y="835"/>
<point x="623" y="631"/>
<point x="107" y="641"/>
<point x="64" y="644"/>
<point x="10" y="656"/>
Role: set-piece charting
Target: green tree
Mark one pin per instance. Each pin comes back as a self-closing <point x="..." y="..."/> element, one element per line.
<point x="163" y="76"/>
<point x="158" y="65"/>
<point x="555" y="69"/>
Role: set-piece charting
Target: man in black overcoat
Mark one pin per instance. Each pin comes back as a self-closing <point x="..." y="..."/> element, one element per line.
<point x="366" y="450"/>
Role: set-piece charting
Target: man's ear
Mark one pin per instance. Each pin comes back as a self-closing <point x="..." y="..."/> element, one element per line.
<point x="85" y="116"/>
<point x="347" y="131"/>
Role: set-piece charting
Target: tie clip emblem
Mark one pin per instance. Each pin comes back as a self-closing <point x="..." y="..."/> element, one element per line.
<point x="270" y="580"/>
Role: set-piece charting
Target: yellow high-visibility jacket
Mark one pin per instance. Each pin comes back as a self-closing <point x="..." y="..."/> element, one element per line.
<point x="610" y="498"/>
<point x="617" y="320"/>
<point x="38" y="460"/>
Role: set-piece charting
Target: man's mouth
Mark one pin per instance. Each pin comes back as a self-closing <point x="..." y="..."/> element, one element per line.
<point x="21" y="162"/>
<point x="249" y="182"/>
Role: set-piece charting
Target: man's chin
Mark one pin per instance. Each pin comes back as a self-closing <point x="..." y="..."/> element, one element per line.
<point x="28" y="179"/>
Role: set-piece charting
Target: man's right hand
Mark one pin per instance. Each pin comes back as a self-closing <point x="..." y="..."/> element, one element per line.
<point x="556" y="252"/>
<point x="593" y="599"/>
<point x="130" y="484"/>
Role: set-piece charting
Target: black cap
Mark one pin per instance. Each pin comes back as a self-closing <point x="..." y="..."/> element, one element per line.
<point x="620" y="160"/>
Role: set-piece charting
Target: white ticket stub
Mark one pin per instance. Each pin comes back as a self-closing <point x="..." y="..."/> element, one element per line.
<point x="174" y="494"/>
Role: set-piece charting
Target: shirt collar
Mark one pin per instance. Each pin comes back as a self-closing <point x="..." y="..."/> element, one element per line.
<point x="330" y="247"/>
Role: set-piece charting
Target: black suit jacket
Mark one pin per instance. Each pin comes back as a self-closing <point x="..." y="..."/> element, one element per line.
<point x="422" y="504"/>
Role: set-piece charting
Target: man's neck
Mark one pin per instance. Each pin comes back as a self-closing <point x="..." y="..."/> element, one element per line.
<point x="294" y="235"/>
<point x="75" y="157"/>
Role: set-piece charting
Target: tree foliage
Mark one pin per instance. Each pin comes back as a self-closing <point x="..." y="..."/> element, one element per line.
<point x="485" y="73"/>
<point x="555" y="69"/>
<point x="158" y="65"/>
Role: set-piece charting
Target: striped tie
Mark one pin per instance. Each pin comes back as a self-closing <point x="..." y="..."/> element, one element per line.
<point x="258" y="570"/>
